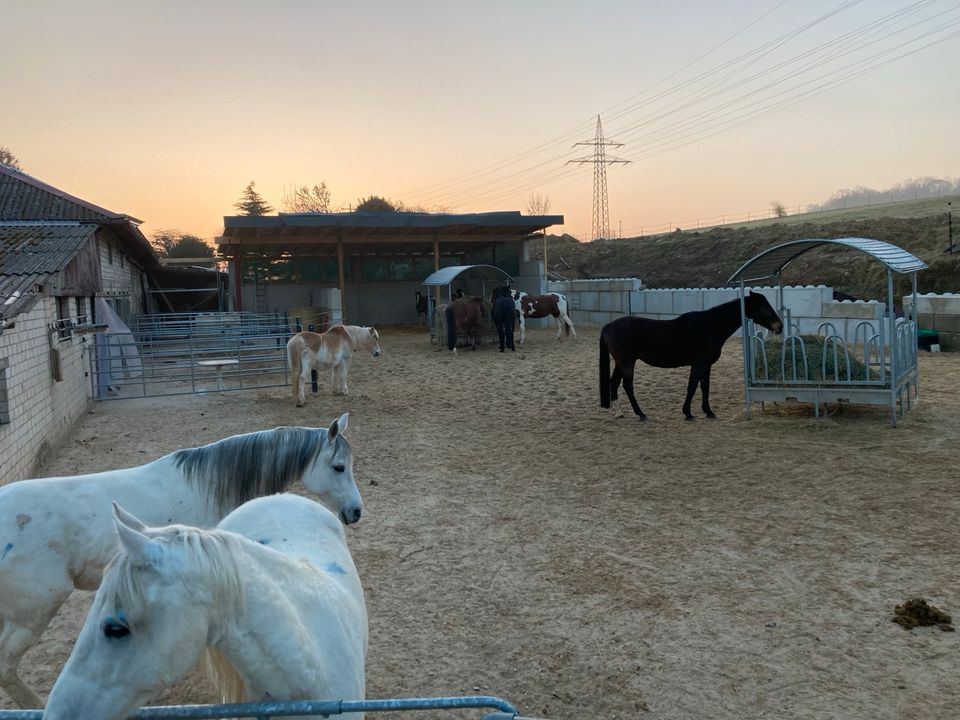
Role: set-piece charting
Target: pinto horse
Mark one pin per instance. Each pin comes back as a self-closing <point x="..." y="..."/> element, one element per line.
<point x="694" y="339"/>
<point x="463" y="317"/>
<point x="331" y="350"/>
<point x="271" y="595"/>
<point x="58" y="533"/>
<point x="539" y="306"/>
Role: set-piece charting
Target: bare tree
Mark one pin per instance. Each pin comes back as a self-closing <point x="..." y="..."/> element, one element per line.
<point x="307" y="199"/>
<point x="9" y="159"/>
<point x="778" y="209"/>
<point x="538" y="204"/>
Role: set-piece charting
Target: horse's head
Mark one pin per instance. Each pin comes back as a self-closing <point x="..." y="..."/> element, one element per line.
<point x="373" y="341"/>
<point x="759" y="309"/>
<point x="152" y="617"/>
<point x="331" y="474"/>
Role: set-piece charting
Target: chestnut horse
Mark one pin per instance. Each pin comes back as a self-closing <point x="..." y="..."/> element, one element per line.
<point x="539" y="306"/>
<point x="694" y="339"/>
<point x="463" y="317"/>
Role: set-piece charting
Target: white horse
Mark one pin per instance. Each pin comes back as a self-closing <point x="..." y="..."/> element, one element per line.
<point x="330" y="350"/>
<point x="272" y="593"/>
<point x="56" y="533"/>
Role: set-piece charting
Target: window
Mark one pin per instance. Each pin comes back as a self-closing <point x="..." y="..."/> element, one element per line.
<point x="375" y="269"/>
<point x="64" y="323"/>
<point x="4" y="398"/>
<point x="401" y="269"/>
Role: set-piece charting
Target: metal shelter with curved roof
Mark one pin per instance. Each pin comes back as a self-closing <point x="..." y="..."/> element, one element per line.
<point x="882" y="349"/>
<point x="771" y="262"/>
<point x="487" y="275"/>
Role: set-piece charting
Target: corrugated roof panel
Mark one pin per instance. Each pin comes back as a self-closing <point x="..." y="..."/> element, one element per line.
<point x="772" y="261"/>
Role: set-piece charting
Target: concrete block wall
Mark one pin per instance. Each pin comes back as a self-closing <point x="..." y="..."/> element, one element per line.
<point x="597" y="302"/>
<point x="940" y="312"/>
<point x="41" y="411"/>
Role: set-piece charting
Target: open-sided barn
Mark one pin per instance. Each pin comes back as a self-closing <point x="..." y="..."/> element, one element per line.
<point x="364" y="267"/>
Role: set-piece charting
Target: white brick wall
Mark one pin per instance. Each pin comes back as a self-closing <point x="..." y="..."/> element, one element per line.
<point x="42" y="411"/>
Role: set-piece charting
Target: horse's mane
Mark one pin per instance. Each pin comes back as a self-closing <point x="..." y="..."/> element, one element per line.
<point x="212" y="555"/>
<point x="240" y="468"/>
<point x="358" y="335"/>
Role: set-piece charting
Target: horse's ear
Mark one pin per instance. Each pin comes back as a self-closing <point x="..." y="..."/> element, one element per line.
<point x="127" y="519"/>
<point x="338" y="426"/>
<point x="137" y="545"/>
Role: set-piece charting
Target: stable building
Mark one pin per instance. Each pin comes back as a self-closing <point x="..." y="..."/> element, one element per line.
<point x="63" y="261"/>
<point x="364" y="268"/>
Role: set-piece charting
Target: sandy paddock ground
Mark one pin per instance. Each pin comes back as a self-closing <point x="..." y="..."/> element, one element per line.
<point x="520" y="541"/>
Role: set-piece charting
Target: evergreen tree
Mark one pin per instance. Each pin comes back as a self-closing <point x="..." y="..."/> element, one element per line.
<point x="375" y="203"/>
<point x="9" y="159"/>
<point x="251" y="203"/>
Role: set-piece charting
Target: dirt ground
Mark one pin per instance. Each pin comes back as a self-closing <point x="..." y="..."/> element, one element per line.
<point x="520" y="541"/>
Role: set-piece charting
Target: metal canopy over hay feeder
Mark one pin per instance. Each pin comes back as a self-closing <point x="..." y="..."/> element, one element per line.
<point x="875" y="365"/>
<point x="473" y="280"/>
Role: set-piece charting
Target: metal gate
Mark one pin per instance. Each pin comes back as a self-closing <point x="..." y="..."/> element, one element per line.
<point x="187" y="353"/>
<point x="498" y="709"/>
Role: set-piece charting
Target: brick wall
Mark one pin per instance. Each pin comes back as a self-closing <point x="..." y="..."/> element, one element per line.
<point x="122" y="279"/>
<point x="41" y="411"/>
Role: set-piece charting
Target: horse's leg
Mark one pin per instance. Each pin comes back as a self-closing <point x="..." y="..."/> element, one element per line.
<point x="568" y="322"/>
<point x="15" y="640"/>
<point x="342" y="369"/>
<point x="305" y="368"/>
<point x="615" y="378"/>
<point x="627" y="374"/>
<point x="523" y="329"/>
<point x="559" y="326"/>
<point x="705" y="392"/>
<point x="696" y="372"/>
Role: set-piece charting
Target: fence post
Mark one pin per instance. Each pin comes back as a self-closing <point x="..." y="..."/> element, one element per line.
<point x="313" y="372"/>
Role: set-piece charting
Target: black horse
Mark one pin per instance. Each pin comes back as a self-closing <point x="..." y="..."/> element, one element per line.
<point x="694" y="339"/>
<point x="504" y="314"/>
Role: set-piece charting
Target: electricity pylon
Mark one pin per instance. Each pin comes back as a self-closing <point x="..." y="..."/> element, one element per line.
<point x="601" y="209"/>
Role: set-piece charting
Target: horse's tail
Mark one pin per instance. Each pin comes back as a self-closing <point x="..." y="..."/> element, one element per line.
<point x="604" y="371"/>
<point x="451" y="327"/>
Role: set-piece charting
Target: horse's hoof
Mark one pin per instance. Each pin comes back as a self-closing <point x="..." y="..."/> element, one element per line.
<point x="618" y="414"/>
<point x="711" y="416"/>
<point x="688" y="417"/>
<point x="642" y="418"/>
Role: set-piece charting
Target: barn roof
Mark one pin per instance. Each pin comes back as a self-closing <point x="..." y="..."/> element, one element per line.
<point x="32" y="251"/>
<point x="24" y="198"/>
<point x="773" y="260"/>
<point x="445" y="276"/>
<point x="374" y="232"/>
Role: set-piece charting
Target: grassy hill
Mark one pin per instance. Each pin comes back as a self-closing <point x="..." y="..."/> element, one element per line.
<point x="708" y="258"/>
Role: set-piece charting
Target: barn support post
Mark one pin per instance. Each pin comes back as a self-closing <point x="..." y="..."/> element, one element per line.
<point x="436" y="266"/>
<point x="341" y="279"/>
<point x="238" y="279"/>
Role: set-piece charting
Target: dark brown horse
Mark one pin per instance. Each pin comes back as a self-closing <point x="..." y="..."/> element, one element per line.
<point x="694" y="339"/>
<point x="463" y="318"/>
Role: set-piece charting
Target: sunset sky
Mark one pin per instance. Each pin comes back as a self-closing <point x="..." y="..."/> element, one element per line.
<point x="166" y="110"/>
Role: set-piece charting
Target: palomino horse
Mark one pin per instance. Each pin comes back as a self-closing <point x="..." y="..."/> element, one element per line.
<point x="463" y="318"/>
<point x="272" y="594"/>
<point x="540" y="306"/>
<point x="57" y="534"/>
<point x="331" y="350"/>
<point x="694" y="339"/>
